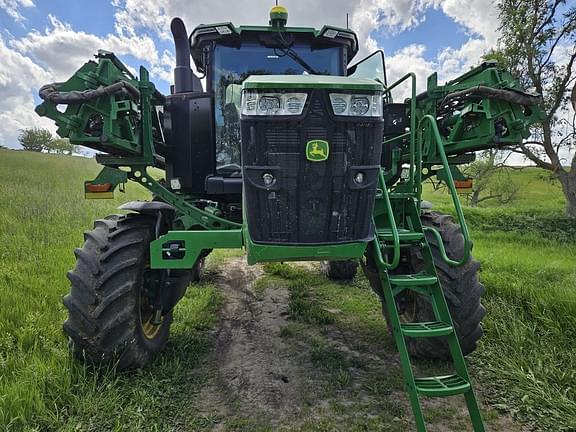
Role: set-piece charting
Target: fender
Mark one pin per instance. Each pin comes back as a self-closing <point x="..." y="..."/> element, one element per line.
<point x="177" y="280"/>
<point x="147" y="207"/>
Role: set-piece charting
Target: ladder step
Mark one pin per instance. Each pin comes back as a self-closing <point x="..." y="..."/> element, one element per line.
<point x="442" y="385"/>
<point x="401" y="195"/>
<point x="411" y="280"/>
<point x="426" y="329"/>
<point x="403" y="234"/>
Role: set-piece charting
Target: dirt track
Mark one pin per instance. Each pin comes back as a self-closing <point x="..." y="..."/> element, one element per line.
<point x="259" y="379"/>
<point x="254" y="368"/>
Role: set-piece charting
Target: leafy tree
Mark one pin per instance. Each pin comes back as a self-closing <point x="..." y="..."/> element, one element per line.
<point x="35" y="139"/>
<point x="60" y="146"/>
<point x="491" y="179"/>
<point x="538" y="44"/>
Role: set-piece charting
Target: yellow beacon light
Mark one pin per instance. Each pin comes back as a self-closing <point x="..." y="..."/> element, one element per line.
<point x="278" y="16"/>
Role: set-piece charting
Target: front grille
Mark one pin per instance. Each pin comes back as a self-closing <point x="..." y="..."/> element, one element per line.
<point x="310" y="202"/>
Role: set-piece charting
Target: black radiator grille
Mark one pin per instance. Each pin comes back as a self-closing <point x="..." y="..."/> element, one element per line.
<point x="310" y="202"/>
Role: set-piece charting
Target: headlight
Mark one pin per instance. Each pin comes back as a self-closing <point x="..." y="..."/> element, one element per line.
<point x="269" y="105"/>
<point x="356" y="105"/>
<point x="359" y="105"/>
<point x="280" y="104"/>
<point x="339" y="105"/>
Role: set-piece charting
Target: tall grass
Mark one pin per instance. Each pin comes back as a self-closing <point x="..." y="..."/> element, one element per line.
<point x="525" y="363"/>
<point x="538" y="193"/>
<point x="42" y="218"/>
<point x="527" y="359"/>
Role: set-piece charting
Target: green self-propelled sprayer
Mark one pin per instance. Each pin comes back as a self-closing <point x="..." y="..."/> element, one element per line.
<point x="288" y="152"/>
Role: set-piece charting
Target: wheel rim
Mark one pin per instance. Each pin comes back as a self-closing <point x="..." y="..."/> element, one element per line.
<point x="149" y="329"/>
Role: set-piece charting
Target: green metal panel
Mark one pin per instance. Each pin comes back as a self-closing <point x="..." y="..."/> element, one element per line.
<point x="311" y="82"/>
<point x="265" y="252"/>
<point x="193" y="244"/>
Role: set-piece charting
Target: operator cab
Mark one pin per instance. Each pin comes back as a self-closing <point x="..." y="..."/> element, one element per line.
<point x="228" y="59"/>
<point x="202" y="123"/>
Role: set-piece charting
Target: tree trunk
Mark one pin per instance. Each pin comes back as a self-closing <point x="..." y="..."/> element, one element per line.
<point x="568" y="181"/>
<point x="474" y="198"/>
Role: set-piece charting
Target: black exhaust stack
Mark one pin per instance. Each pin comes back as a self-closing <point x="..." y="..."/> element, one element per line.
<point x="188" y="123"/>
<point x="184" y="78"/>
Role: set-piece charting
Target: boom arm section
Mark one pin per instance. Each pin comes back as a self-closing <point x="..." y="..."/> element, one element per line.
<point x="484" y="108"/>
<point x="108" y="109"/>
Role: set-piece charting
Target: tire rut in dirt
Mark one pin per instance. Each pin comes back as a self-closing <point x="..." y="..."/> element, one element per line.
<point x="253" y="367"/>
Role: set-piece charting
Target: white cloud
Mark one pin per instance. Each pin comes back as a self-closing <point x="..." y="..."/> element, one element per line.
<point x="54" y="55"/>
<point x="392" y="16"/>
<point x="56" y="52"/>
<point x="449" y="63"/>
<point x="163" y="69"/>
<point x="12" y="8"/>
<point x="408" y="59"/>
<point x="479" y="19"/>
<point x="17" y="76"/>
<point x="61" y="50"/>
<point x="133" y="16"/>
<point x="478" y="16"/>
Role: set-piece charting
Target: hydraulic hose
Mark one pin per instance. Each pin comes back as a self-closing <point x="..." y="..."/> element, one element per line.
<point x="50" y="93"/>
<point x="511" y="96"/>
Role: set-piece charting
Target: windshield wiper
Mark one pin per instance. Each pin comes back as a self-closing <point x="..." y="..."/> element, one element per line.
<point x="288" y="51"/>
<point x="296" y="57"/>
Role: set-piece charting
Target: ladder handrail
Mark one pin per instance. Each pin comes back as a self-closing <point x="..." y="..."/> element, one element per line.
<point x="412" y="132"/>
<point x="393" y="228"/>
<point x="456" y="201"/>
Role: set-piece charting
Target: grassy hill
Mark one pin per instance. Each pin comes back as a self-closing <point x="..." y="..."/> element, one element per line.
<point x="526" y="363"/>
<point x="538" y="193"/>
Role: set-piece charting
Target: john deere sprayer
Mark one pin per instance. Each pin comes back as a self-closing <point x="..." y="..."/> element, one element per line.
<point x="292" y="151"/>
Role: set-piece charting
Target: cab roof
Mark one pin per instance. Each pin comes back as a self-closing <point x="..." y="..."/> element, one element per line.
<point x="226" y="33"/>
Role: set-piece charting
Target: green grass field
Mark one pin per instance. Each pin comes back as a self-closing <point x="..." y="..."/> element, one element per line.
<point x="526" y="364"/>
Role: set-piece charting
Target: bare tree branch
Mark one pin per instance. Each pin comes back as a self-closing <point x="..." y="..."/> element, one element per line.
<point x="530" y="155"/>
<point x="562" y="86"/>
<point x="550" y="16"/>
<point x="552" y="48"/>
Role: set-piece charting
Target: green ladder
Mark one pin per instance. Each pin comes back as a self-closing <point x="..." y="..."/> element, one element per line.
<point x="425" y="283"/>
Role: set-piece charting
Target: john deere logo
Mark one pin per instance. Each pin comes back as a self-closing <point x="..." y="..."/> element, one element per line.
<point x="317" y="150"/>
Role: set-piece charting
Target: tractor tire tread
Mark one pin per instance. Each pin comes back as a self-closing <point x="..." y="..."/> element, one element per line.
<point x="461" y="286"/>
<point x="342" y="270"/>
<point x="103" y="305"/>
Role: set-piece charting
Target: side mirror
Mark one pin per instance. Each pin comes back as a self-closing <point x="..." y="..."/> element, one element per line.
<point x="372" y="67"/>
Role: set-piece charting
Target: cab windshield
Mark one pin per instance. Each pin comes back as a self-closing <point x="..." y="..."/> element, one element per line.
<point x="233" y="65"/>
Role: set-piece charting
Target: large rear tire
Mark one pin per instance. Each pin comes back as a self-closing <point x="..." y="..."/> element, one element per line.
<point x="460" y="285"/>
<point x="344" y="270"/>
<point x="110" y="318"/>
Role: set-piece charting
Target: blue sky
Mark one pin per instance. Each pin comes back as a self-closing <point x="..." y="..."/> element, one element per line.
<point x="46" y="40"/>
